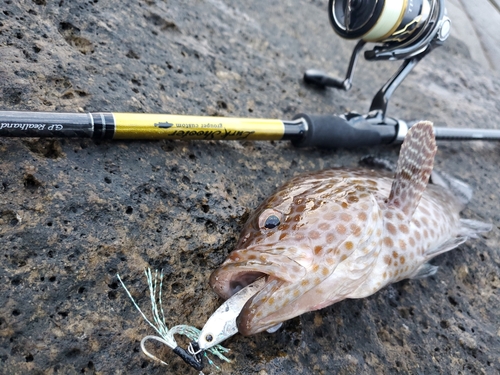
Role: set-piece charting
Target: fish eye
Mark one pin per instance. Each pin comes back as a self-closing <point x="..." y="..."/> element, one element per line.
<point x="272" y="222"/>
<point x="270" y="219"/>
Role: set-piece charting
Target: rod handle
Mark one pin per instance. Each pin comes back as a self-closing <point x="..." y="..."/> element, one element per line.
<point x="330" y="131"/>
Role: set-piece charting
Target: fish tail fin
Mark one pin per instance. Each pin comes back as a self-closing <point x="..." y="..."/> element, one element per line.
<point x="415" y="163"/>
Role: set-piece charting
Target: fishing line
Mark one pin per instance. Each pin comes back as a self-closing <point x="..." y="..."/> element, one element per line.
<point x="166" y="336"/>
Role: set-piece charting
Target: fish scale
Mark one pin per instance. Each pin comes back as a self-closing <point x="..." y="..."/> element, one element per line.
<point x="343" y="233"/>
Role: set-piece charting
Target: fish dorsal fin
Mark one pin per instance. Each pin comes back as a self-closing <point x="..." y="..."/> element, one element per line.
<point x="415" y="162"/>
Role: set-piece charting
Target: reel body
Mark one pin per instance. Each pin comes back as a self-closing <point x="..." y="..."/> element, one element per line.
<point x="403" y="30"/>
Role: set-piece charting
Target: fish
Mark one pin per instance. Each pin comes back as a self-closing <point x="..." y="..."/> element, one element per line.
<point x="344" y="234"/>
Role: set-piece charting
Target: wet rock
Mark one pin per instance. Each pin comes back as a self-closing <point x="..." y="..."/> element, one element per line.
<point x="74" y="212"/>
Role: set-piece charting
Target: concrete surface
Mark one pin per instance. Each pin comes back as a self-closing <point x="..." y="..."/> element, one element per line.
<point x="477" y="24"/>
<point x="73" y="213"/>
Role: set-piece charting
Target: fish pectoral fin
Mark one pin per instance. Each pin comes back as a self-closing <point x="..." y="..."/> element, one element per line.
<point x="364" y="253"/>
<point x="415" y="163"/>
<point x="446" y="246"/>
<point x="469" y="229"/>
<point x="425" y="270"/>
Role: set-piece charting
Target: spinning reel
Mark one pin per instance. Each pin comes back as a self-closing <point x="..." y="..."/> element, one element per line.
<point x="404" y="30"/>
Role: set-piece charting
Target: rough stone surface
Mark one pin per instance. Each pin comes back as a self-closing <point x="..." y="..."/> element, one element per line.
<point x="73" y="213"/>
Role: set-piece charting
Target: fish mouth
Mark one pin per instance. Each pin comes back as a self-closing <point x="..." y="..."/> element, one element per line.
<point x="226" y="283"/>
<point x="242" y="268"/>
<point x="235" y="282"/>
<point x="245" y="266"/>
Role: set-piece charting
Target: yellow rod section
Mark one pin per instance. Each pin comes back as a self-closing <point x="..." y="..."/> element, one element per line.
<point x="158" y="126"/>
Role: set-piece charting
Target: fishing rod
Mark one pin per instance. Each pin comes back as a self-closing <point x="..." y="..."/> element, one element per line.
<point x="324" y="131"/>
<point x="407" y="30"/>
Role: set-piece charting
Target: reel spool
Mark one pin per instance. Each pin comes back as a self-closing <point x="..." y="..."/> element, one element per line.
<point x="376" y="21"/>
<point x="399" y="24"/>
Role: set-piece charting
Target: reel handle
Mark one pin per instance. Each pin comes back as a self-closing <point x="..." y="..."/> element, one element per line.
<point x="321" y="79"/>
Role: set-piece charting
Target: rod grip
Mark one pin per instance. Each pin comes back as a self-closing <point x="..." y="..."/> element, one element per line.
<point x="330" y="131"/>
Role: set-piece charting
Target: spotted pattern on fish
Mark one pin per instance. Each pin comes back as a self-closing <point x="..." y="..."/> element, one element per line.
<point x="414" y="170"/>
<point x="343" y="233"/>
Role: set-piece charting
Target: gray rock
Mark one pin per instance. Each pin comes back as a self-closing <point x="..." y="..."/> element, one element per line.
<point x="75" y="212"/>
<point x="480" y="29"/>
